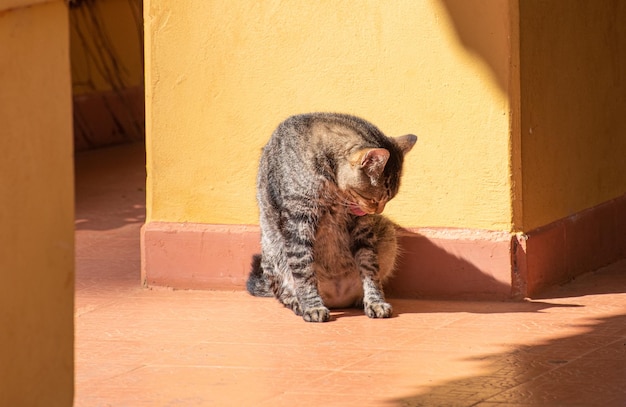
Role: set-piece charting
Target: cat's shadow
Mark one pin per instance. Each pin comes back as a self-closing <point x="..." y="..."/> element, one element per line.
<point x="423" y="306"/>
<point x="426" y="306"/>
<point x="339" y="313"/>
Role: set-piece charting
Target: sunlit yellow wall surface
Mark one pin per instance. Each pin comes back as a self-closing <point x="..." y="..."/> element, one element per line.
<point x="36" y="206"/>
<point x="518" y="105"/>
<point x="220" y="75"/>
<point x="573" y="59"/>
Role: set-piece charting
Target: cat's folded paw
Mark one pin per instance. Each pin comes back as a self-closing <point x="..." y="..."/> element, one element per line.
<point x="316" y="314"/>
<point x="378" y="310"/>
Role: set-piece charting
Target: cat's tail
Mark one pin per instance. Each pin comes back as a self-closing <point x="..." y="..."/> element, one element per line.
<point x="258" y="284"/>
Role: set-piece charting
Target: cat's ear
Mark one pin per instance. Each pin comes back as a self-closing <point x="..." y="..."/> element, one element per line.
<point x="372" y="161"/>
<point x="406" y="142"/>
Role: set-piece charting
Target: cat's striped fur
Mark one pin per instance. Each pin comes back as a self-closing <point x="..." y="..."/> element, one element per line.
<point x="323" y="180"/>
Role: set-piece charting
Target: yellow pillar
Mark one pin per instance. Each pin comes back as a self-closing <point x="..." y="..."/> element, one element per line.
<point x="510" y="151"/>
<point x="214" y="96"/>
<point x="36" y="206"/>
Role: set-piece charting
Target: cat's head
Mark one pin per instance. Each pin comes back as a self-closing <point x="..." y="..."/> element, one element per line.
<point x="371" y="176"/>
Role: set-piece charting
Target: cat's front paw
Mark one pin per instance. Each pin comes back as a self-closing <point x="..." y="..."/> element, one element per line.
<point x="316" y="314"/>
<point x="378" y="310"/>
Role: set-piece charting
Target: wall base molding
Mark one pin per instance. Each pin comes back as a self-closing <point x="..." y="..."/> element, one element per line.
<point x="583" y="242"/>
<point x="108" y="117"/>
<point x="443" y="263"/>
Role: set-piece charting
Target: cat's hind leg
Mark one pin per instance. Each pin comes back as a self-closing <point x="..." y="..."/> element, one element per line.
<point x="263" y="281"/>
<point x="281" y="285"/>
<point x="284" y="292"/>
<point x="299" y="235"/>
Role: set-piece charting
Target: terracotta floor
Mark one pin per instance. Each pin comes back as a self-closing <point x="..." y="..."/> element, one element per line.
<point x="142" y="347"/>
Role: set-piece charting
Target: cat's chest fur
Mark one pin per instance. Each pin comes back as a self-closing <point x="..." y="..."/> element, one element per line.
<point x="338" y="279"/>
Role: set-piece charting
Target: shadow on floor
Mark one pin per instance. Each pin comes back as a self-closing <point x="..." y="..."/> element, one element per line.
<point x="607" y="280"/>
<point x="580" y="370"/>
<point x="401" y="307"/>
<point x="110" y="187"/>
<point x="474" y="307"/>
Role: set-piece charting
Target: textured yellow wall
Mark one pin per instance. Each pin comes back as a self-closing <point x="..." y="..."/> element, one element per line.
<point x="36" y="206"/>
<point x="573" y="57"/>
<point x="220" y="75"/>
<point x="105" y="39"/>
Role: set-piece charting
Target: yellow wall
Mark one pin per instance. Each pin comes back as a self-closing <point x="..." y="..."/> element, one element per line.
<point x="573" y="59"/>
<point x="220" y="75"/>
<point x="36" y="206"/>
<point x="108" y="53"/>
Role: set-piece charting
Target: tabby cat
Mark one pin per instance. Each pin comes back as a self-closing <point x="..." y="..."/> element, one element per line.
<point x="323" y="180"/>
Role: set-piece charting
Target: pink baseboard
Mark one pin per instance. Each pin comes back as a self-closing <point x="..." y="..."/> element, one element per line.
<point x="562" y="250"/>
<point x="444" y="263"/>
<point x="197" y="256"/>
<point x="107" y="117"/>
<point x="454" y="263"/>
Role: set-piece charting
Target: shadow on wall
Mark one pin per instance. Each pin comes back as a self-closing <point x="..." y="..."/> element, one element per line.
<point x="106" y="40"/>
<point x="177" y="256"/>
<point x="428" y="267"/>
<point x="556" y="372"/>
<point x="483" y="28"/>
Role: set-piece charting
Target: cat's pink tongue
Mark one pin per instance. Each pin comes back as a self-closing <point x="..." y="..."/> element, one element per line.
<point x="355" y="210"/>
